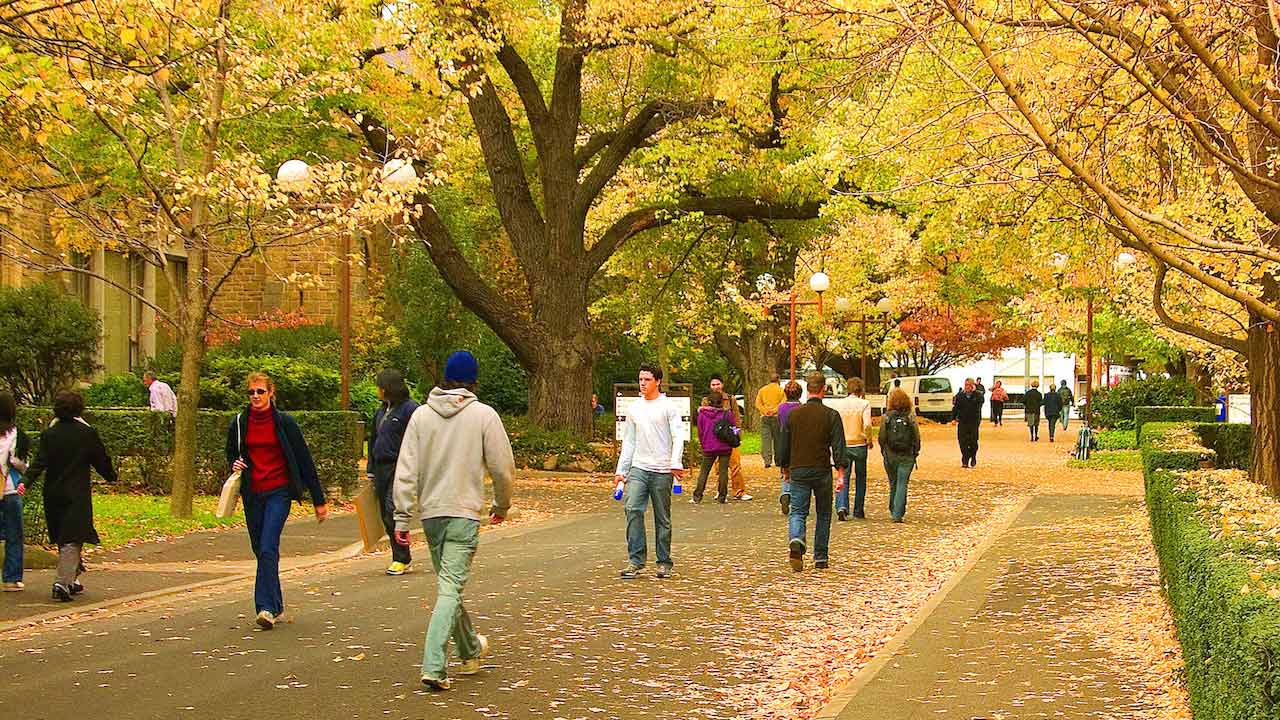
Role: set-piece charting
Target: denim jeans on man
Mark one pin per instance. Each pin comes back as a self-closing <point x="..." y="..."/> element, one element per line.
<point x="815" y="482"/>
<point x="265" y="515"/>
<point x="645" y="487"/>
<point x="770" y="429"/>
<point x="11" y="527"/>
<point x="453" y="544"/>
<point x="898" y="469"/>
<point x="857" y="470"/>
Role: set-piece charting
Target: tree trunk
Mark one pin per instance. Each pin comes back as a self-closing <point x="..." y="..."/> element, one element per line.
<point x="561" y="371"/>
<point x="756" y="355"/>
<point x="184" y="428"/>
<point x="1264" y="390"/>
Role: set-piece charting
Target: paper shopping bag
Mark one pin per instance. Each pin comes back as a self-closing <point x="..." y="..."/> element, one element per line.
<point x="369" y="512"/>
<point x="230" y="494"/>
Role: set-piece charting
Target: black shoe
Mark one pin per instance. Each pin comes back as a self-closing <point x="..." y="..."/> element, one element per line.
<point x="796" y="555"/>
<point x="767" y="466"/>
<point x="785" y="501"/>
<point x="973" y="463"/>
<point x="61" y="593"/>
<point x="820" y="565"/>
<point x="964" y="463"/>
<point x="76" y="588"/>
<point x="859" y="515"/>
<point x="1050" y="438"/>
<point x="722" y="499"/>
<point x="842" y="515"/>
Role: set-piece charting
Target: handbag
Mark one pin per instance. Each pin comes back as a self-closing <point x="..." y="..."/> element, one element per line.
<point x="230" y="488"/>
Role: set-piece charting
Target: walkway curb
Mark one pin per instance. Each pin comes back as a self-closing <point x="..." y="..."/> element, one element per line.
<point x="348" y="552"/>
<point x="845" y="695"/>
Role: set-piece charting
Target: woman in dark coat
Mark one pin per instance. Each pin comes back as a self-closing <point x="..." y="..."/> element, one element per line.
<point x="68" y="449"/>
<point x="385" y="438"/>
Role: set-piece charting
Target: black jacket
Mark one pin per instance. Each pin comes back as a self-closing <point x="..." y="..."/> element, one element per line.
<point x="1032" y="400"/>
<point x="67" y="451"/>
<point x="385" y="437"/>
<point x="1052" y="404"/>
<point x="967" y="407"/>
<point x="302" y="469"/>
<point x="812" y="438"/>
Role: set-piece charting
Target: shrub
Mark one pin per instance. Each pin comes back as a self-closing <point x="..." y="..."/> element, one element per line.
<point x="124" y="390"/>
<point x="1147" y="414"/>
<point x="316" y="344"/>
<point x="47" y="341"/>
<point x="1116" y="440"/>
<point x="1113" y="407"/>
<point x="1231" y="442"/>
<point x="532" y="445"/>
<point x="503" y="383"/>
<point x="299" y="385"/>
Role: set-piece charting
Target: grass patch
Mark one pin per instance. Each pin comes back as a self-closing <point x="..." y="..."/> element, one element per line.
<point x="1110" y="460"/>
<point x="122" y="519"/>
<point x="1116" y="439"/>
<point x="750" y="442"/>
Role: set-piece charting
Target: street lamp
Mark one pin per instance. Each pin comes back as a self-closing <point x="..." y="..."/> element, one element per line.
<point x="399" y="174"/>
<point x="819" y="282"/>
<point x="291" y="176"/>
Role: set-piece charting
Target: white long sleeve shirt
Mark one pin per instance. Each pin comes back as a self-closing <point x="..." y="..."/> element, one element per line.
<point x="163" y="399"/>
<point x="651" y="438"/>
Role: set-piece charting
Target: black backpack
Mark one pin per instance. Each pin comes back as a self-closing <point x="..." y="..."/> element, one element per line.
<point x="725" y="432"/>
<point x="896" y="432"/>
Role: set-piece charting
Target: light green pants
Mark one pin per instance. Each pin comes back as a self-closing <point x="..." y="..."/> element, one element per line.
<point x="453" y="544"/>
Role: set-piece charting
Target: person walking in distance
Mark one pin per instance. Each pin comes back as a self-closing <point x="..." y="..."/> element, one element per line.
<point x="449" y="444"/>
<point x="1068" y="400"/>
<point x="855" y="415"/>
<point x="768" y="398"/>
<point x="966" y="413"/>
<point x="276" y="467"/>
<point x="812" y="444"/>
<point x="67" y="450"/>
<point x="651" y="456"/>
<point x="389" y="424"/>
<point x="15" y="449"/>
<point x="160" y="395"/>
<point x="899" y="447"/>
<point x="1032" y="400"/>
<point x="999" y="396"/>
<point x="1052" y="409"/>
<point x="792" y="392"/>
<point x="712" y="419"/>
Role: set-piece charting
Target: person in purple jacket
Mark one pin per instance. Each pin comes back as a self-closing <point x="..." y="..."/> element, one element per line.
<point x="713" y="448"/>
<point x="793" y="392"/>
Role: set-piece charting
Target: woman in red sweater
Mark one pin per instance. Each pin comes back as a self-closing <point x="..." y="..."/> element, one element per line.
<point x="268" y="449"/>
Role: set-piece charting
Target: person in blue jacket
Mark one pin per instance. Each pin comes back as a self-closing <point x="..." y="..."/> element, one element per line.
<point x="385" y="438"/>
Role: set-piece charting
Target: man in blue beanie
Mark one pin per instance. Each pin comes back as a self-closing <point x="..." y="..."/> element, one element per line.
<point x="449" y="444"/>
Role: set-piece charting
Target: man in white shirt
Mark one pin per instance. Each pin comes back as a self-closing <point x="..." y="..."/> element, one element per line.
<point x="162" y="397"/>
<point x="652" y="447"/>
<point x="855" y="413"/>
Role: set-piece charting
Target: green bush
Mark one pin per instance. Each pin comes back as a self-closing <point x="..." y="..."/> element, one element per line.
<point x="1116" y="440"/>
<point x="532" y="445"/>
<point x="316" y="344"/>
<point x="1173" y="446"/>
<point x="1148" y="414"/>
<point x="124" y="390"/>
<point x="141" y="446"/>
<point x="503" y="383"/>
<point x="1230" y="641"/>
<point x="364" y="399"/>
<point x="47" y="341"/>
<point x="1113" y="407"/>
<point x="299" y="385"/>
<point x="1231" y="442"/>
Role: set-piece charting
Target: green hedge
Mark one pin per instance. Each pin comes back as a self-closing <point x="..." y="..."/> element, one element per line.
<point x="1233" y="442"/>
<point x="1113" y="406"/>
<point x="1230" y="641"/>
<point x="141" y="446"/>
<point x="1144" y="414"/>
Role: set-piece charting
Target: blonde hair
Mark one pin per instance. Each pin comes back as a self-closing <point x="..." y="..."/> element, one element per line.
<point x="259" y="377"/>
<point x="899" y="401"/>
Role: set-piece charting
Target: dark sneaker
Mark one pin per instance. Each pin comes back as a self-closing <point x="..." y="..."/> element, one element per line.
<point x="436" y="684"/>
<point x="897" y="520"/>
<point x="722" y="499"/>
<point x="664" y="572"/>
<point x="785" y="501"/>
<point x="796" y="555"/>
<point x="820" y="565"/>
<point x="842" y="514"/>
<point x="61" y="593"/>
<point x="632" y="572"/>
<point x="76" y="588"/>
<point x="859" y="515"/>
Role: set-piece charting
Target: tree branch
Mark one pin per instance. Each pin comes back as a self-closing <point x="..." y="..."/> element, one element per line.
<point x="1213" y="338"/>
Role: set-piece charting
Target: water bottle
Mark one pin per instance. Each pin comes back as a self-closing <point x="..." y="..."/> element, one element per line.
<point x="675" y="487"/>
<point x="617" y="491"/>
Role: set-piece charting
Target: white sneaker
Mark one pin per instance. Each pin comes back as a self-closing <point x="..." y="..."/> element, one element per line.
<point x="265" y="620"/>
<point x="744" y="497"/>
<point x="14" y="586"/>
<point x="471" y="666"/>
<point x="434" y="684"/>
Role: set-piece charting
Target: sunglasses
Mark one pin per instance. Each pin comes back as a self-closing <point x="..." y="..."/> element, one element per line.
<point x="257" y="391"/>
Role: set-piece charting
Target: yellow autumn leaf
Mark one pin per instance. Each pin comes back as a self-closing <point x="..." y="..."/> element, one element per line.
<point x="128" y="36"/>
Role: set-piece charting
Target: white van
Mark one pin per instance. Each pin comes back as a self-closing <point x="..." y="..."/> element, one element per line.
<point x="931" y="394"/>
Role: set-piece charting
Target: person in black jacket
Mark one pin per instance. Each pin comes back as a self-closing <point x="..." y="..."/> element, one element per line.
<point x="1052" y="409"/>
<point x="267" y="448"/>
<point x="68" y="449"/>
<point x="385" y="438"/>
<point x="1031" y="402"/>
<point x="812" y="443"/>
<point x="966" y="413"/>
<point x="14" y="449"/>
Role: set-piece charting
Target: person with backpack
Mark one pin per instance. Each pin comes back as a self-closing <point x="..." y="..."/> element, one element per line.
<point x="1068" y="399"/>
<point x="812" y="444"/>
<point x="966" y="413"/>
<point x="792" y="391"/>
<point x="1032" y="400"/>
<point x="1052" y="409"/>
<point x="899" y="447"/>
<point x="718" y="435"/>
<point x="999" y="396"/>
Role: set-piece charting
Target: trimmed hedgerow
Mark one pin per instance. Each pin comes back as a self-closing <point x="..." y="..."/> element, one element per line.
<point x="1169" y="413"/>
<point x="1232" y="442"/>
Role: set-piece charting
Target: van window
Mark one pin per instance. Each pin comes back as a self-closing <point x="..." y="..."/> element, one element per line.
<point x="934" y="385"/>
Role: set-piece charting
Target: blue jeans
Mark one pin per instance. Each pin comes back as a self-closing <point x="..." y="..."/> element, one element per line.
<point x="855" y="473"/>
<point x="265" y="515"/>
<point x="645" y="487"/>
<point x="11" y="532"/>
<point x="898" y="470"/>
<point x="453" y="544"/>
<point x="815" y="482"/>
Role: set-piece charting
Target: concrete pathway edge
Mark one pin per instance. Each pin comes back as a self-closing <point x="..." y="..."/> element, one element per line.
<point x="842" y="697"/>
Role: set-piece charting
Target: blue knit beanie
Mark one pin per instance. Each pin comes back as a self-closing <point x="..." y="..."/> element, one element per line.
<point x="461" y="367"/>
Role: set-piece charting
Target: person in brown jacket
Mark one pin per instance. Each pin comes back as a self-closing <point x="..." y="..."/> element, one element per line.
<point x="812" y="445"/>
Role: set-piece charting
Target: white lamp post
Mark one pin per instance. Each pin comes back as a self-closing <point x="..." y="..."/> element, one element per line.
<point x="399" y="174"/>
<point x="819" y="282"/>
<point x="293" y="172"/>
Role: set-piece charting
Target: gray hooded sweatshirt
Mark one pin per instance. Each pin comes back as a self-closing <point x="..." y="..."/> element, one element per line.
<point x="450" y="441"/>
